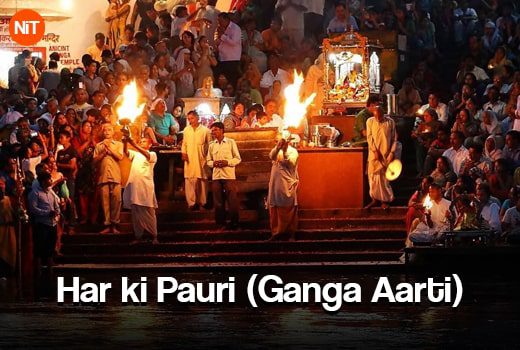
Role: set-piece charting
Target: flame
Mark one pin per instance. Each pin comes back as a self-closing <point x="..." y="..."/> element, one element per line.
<point x="427" y="204"/>
<point x="295" y="109"/>
<point x="129" y="109"/>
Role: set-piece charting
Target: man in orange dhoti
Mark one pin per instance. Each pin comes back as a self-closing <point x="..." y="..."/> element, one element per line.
<point x="282" y="200"/>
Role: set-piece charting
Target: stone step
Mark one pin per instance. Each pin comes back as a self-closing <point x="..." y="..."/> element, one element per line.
<point x="352" y="213"/>
<point x="305" y="216"/>
<point x="254" y="154"/>
<point x="245" y="257"/>
<point x="232" y="246"/>
<point x="255" y="144"/>
<point x="268" y="134"/>
<point x="345" y="266"/>
<point x="243" y="235"/>
<point x="305" y="224"/>
<point x="187" y="216"/>
<point x="254" y="167"/>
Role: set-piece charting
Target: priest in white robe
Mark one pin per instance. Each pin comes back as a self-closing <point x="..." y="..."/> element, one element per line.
<point x="139" y="194"/>
<point x="194" y="150"/>
<point x="382" y="143"/>
<point x="283" y="184"/>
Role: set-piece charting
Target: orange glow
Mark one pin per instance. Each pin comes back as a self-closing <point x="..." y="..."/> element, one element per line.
<point x="295" y="109"/>
<point x="129" y="108"/>
<point x="427" y="204"/>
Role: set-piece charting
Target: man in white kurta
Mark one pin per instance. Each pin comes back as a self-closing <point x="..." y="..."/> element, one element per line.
<point x="283" y="184"/>
<point x="194" y="150"/>
<point x="139" y="194"/>
<point x="435" y="221"/>
<point x="382" y="143"/>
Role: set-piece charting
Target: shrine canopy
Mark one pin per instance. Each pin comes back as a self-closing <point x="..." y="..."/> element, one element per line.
<point x="352" y="70"/>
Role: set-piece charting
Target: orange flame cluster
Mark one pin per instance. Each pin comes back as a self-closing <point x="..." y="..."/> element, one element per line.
<point x="295" y="109"/>
<point x="427" y="204"/>
<point x="129" y="108"/>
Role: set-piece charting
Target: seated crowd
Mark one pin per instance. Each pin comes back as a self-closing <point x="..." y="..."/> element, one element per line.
<point x="59" y="125"/>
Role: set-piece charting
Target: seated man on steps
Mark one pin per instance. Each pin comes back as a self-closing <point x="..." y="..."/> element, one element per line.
<point x="435" y="221"/>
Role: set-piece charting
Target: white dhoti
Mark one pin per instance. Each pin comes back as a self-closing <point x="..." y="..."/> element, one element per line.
<point x="196" y="191"/>
<point x="144" y="220"/>
<point x="380" y="188"/>
<point x="382" y="144"/>
<point x="139" y="194"/>
<point x="421" y="233"/>
<point x="282" y="196"/>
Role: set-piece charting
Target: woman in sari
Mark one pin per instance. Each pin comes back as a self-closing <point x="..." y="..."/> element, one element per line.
<point x="467" y="125"/>
<point x="84" y="145"/>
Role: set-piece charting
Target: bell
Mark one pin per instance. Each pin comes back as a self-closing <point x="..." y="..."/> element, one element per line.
<point x="393" y="170"/>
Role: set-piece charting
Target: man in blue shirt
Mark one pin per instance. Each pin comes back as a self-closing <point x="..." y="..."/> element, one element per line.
<point x="163" y="124"/>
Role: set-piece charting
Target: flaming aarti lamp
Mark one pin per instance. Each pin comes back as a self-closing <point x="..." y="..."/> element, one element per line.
<point x="295" y="109"/>
<point x="428" y="204"/>
<point x="129" y="109"/>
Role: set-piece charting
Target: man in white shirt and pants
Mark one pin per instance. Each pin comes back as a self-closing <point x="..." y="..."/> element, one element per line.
<point x="223" y="157"/>
<point x="292" y="12"/>
<point x="195" y="145"/>
<point x="228" y="39"/>
<point x="313" y="18"/>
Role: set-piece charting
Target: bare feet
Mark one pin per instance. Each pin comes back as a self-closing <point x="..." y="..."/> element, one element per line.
<point x="155" y="241"/>
<point x="107" y="230"/>
<point x="115" y="230"/>
<point x="135" y="241"/>
<point x="371" y="204"/>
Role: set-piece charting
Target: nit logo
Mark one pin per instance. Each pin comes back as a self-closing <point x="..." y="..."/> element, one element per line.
<point x="26" y="27"/>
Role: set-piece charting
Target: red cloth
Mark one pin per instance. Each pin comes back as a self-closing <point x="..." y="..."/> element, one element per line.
<point x="238" y="5"/>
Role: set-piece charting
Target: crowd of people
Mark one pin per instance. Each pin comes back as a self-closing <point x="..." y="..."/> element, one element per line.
<point x="61" y="142"/>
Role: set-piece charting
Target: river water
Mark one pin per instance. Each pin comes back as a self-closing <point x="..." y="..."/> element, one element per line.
<point x="489" y="316"/>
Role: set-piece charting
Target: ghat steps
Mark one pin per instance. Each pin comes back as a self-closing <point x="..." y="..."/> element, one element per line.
<point x="340" y="237"/>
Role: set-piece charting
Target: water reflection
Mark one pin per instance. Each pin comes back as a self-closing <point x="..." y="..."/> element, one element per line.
<point x="487" y="317"/>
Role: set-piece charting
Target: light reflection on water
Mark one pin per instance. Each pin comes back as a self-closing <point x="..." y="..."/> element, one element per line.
<point x="488" y="316"/>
